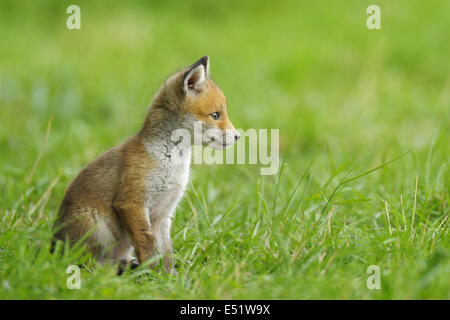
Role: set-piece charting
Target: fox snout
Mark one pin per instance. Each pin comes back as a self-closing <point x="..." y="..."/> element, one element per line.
<point x="220" y="139"/>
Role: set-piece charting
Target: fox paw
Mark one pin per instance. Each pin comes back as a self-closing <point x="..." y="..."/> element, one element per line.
<point x="124" y="264"/>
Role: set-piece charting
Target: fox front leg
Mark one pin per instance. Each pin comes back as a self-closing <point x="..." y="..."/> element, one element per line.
<point x="138" y="228"/>
<point x="161" y="231"/>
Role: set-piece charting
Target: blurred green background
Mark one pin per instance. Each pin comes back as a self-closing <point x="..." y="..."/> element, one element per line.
<point x="341" y="95"/>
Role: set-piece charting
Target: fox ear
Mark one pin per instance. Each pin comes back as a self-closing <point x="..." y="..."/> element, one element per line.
<point x="196" y="75"/>
<point x="202" y="61"/>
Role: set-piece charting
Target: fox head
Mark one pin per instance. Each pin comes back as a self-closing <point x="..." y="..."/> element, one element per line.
<point x="199" y="105"/>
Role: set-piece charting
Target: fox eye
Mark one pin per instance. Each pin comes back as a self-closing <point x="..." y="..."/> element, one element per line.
<point x="215" y="115"/>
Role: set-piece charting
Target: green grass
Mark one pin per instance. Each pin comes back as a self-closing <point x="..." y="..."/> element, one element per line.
<point x="346" y="100"/>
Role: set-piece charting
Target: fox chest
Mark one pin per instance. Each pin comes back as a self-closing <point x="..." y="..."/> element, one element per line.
<point x="165" y="188"/>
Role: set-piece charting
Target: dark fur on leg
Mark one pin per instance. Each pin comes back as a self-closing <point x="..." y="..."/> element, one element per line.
<point x="123" y="264"/>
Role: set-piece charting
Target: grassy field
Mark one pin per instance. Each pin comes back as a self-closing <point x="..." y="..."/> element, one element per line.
<point x="346" y="100"/>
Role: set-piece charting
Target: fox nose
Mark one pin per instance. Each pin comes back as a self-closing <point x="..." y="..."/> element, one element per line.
<point x="236" y="136"/>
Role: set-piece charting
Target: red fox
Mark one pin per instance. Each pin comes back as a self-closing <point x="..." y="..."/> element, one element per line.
<point x="126" y="198"/>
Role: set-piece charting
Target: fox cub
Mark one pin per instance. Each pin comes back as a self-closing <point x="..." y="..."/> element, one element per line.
<point x="126" y="198"/>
